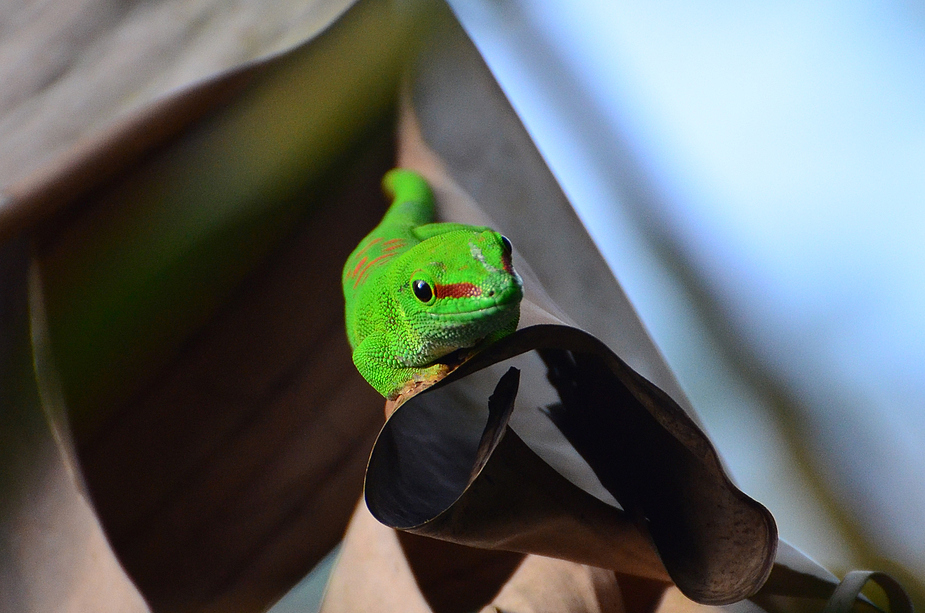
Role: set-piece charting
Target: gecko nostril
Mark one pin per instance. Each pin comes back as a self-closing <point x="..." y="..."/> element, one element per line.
<point x="490" y="293"/>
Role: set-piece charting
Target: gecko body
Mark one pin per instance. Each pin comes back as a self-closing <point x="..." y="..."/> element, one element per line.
<point x="416" y="291"/>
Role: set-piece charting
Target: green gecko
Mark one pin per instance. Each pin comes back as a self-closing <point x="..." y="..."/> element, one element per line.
<point x="417" y="291"/>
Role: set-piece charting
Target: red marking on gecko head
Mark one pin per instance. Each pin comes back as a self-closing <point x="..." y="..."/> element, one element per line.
<point x="457" y="290"/>
<point x="506" y="263"/>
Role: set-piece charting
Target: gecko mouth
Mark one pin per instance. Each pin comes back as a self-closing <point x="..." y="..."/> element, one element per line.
<point x="464" y="316"/>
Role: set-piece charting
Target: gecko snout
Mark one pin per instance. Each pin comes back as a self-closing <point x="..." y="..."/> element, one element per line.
<point x="502" y="288"/>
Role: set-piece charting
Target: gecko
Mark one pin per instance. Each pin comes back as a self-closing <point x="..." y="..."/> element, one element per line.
<point x="417" y="291"/>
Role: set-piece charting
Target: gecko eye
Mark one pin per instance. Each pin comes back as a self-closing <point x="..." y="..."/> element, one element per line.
<point x="506" y="243"/>
<point x="422" y="290"/>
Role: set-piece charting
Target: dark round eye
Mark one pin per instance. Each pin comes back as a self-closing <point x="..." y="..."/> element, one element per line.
<point x="506" y="243"/>
<point x="422" y="290"/>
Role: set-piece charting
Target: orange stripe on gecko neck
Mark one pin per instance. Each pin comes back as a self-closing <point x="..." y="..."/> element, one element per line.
<point x="373" y="262"/>
<point x="392" y="245"/>
<point x="356" y="269"/>
<point x="370" y="244"/>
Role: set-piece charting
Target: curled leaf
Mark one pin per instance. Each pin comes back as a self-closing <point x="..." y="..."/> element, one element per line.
<point x="447" y="466"/>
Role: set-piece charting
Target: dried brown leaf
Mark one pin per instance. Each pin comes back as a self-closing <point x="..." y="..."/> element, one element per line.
<point x="79" y="67"/>
<point x="55" y="556"/>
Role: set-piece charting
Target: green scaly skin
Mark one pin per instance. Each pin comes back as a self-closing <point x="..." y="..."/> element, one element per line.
<point x="416" y="290"/>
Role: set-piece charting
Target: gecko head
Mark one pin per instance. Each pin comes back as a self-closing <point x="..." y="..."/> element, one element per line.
<point x="458" y="288"/>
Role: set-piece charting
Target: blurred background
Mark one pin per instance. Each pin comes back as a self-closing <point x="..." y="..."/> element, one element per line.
<point x="755" y="176"/>
<point x="753" y="173"/>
